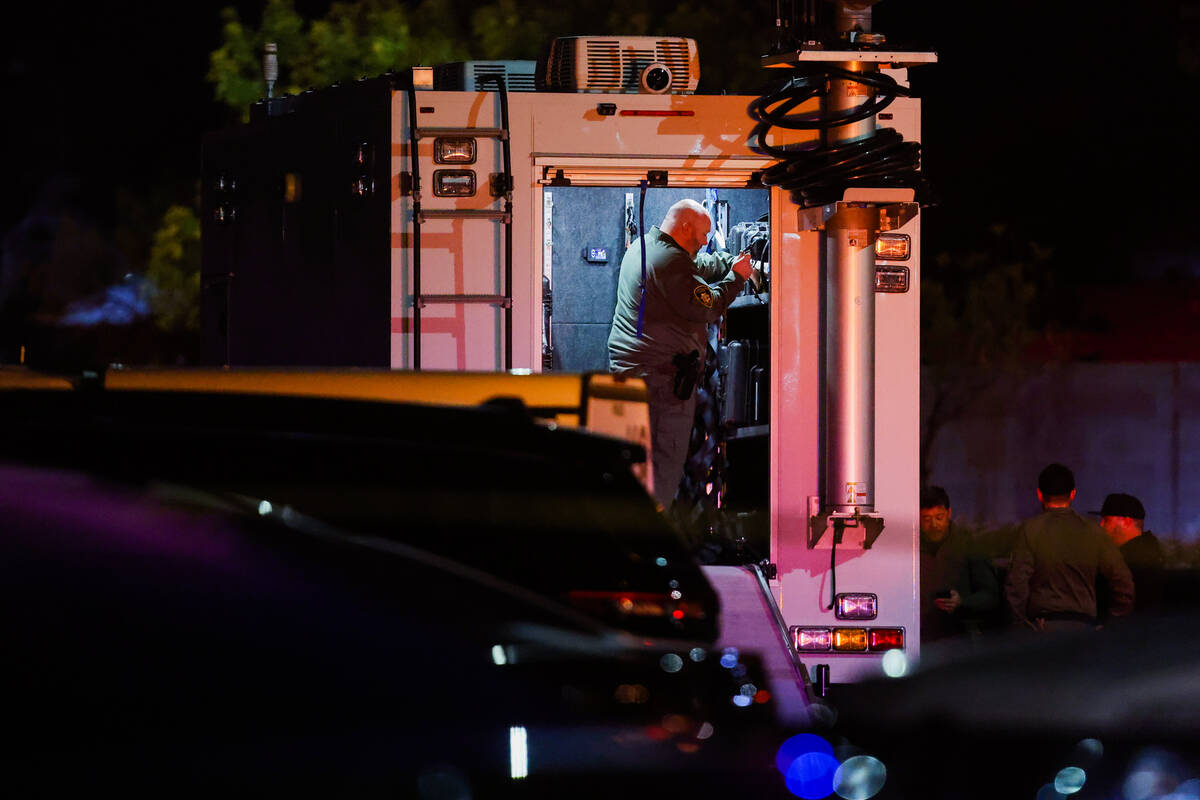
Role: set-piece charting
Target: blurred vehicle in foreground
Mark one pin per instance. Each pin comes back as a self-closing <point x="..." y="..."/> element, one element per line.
<point x="216" y="591"/>
<point x="555" y="510"/>
<point x="162" y="640"/>
<point x="1108" y="714"/>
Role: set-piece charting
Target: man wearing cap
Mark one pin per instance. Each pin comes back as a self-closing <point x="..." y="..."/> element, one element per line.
<point x="659" y="328"/>
<point x="1056" y="561"/>
<point x="1123" y="518"/>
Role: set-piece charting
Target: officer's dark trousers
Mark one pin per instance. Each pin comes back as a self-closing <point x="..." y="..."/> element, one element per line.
<point x="670" y="433"/>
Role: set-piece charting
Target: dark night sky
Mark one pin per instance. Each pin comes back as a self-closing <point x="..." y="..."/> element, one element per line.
<point x="1073" y="121"/>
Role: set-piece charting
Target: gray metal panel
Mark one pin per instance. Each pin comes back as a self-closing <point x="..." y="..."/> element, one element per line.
<point x="581" y="347"/>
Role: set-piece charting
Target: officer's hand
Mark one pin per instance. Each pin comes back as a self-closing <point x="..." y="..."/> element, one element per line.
<point x="756" y="278"/>
<point x="741" y="265"/>
<point x="949" y="604"/>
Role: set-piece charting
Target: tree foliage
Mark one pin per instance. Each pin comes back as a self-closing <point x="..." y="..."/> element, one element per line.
<point x="173" y="271"/>
<point x="978" y="316"/>
<point x="371" y="37"/>
<point x="353" y="40"/>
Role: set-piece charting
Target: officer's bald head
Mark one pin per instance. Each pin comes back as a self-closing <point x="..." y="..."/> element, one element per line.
<point x="687" y="223"/>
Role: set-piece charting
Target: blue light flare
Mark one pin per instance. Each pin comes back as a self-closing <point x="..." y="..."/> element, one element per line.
<point x="1188" y="790"/>
<point x="811" y="776"/>
<point x="1048" y="792"/>
<point x="798" y="745"/>
<point x="729" y="657"/>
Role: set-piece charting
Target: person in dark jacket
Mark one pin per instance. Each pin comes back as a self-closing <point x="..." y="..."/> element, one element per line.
<point x="1123" y="517"/>
<point x="957" y="586"/>
<point x="1057" y="559"/>
<point x="659" y="328"/>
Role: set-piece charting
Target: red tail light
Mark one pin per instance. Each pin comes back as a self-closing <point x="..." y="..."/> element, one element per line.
<point x="644" y="112"/>
<point x="636" y="604"/>
<point x="887" y="638"/>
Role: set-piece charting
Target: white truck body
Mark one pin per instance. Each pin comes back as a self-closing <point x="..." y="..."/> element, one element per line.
<point x="706" y="147"/>
<point x="310" y="260"/>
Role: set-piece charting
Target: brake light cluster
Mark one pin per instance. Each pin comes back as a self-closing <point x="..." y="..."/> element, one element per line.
<point x="849" y="606"/>
<point x="846" y="640"/>
<point x="637" y="604"/>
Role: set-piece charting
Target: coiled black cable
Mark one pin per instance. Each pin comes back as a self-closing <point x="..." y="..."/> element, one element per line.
<point x="819" y="174"/>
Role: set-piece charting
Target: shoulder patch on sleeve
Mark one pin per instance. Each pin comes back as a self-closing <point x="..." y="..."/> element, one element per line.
<point x="704" y="296"/>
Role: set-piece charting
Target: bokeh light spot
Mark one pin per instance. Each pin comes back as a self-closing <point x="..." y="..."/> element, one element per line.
<point x="1086" y="754"/>
<point x="1048" y="792"/>
<point x="657" y="733"/>
<point x="697" y="654"/>
<point x="895" y="664"/>
<point x="671" y="663"/>
<point x="706" y="731"/>
<point x="859" y="778"/>
<point x="676" y="723"/>
<point x="799" y="745"/>
<point x="741" y="701"/>
<point x="635" y="693"/>
<point x="811" y="775"/>
<point x="1188" y="790"/>
<point x="1141" y="784"/>
<point x="1069" y="780"/>
<point x="662" y="562"/>
<point x="1152" y="773"/>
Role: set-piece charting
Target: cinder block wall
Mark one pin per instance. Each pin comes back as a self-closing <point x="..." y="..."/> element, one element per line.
<point x="1120" y="427"/>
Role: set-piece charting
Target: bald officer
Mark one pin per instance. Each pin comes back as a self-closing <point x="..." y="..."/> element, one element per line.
<point x="683" y="292"/>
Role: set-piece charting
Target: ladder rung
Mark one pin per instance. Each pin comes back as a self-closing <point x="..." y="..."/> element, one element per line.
<point x="486" y="299"/>
<point x="478" y="133"/>
<point x="453" y="213"/>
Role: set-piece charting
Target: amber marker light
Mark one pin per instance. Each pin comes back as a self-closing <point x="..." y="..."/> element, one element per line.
<point x="850" y="639"/>
<point x="893" y="246"/>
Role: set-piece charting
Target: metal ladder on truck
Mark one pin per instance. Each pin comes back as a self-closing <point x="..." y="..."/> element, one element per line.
<point x="502" y="187"/>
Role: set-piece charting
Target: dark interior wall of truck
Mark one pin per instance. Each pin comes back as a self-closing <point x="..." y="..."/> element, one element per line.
<point x="295" y="266"/>
<point x="584" y="292"/>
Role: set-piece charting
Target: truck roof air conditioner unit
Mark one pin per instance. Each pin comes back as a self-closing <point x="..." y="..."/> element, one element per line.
<point x="473" y="76"/>
<point x="622" y="64"/>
